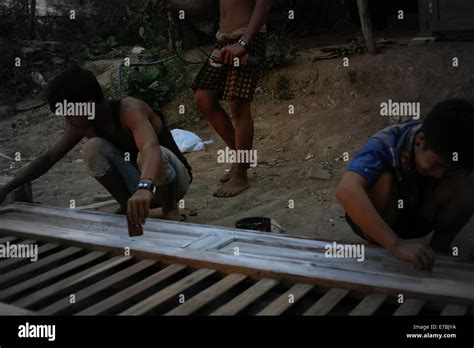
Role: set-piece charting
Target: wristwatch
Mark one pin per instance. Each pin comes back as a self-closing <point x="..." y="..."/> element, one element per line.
<point x="146" y="186"/>
<point x="242" y="42"/>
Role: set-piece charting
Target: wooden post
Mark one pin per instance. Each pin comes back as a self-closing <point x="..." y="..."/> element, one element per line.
<point x="366" y="24"/>
<point x="32" y="18"/>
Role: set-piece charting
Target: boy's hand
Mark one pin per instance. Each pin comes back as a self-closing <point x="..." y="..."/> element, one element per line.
<point x="414" y="252"/>
<point x="139" y="207"/>
<point x="228" y="53"/>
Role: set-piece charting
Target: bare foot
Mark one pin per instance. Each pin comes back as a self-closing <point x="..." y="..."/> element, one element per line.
<point x="175" y="215"/>
<point x="235" y="186"/>
<point x="230" y="174"/>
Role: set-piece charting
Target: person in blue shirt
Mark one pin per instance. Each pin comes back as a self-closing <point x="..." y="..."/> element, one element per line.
<point x="412" y="179"/>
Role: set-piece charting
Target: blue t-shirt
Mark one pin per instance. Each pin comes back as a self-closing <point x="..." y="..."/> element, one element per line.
<point x="391" y="149"/>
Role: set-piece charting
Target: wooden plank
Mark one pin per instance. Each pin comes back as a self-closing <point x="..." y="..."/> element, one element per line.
<point x="132" y="291"/>
<point x="7" y="309"/>
<point x="203" y="298"/>
<point x="326" y="303"/>
<point x="95" y="288"/>
<point x="5" y="240"/>
<point x="411" y="306"/>
<point x="246" y="298"/>
<point x="285" y="301"/>
<point x="40" y="264"/>
<point x="9" y="260"/>
<point x="369" y="305"/>
<point x="450" y="280"/>
<point x="25" y="285"/>
<point x="455" y="310"/>
<point x="168" y="293"/>
<point x="41" y="250"/>
<point x="74" y="279"/>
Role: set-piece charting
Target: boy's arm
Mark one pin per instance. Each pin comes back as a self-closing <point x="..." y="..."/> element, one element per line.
<point x="43" y="162"/>
<point x="352" y="194"/>
<point x="147" y="143"/>
<point x="259" y="17"/>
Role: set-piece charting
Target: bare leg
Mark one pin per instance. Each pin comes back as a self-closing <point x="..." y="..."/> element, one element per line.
<point x="168" y="200"/>
<point x="206" y="102"/>
<point x="114" y="184"/>
<point x="383" y="195"/>
<point x="244" y="133"/>
<point x="450" y="207"/>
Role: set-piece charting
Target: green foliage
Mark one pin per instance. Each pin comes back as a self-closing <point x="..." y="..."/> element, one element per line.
<point x="283" y="87"/>
<point x="123" y="20"/>
<point x="280" y="52"/>
<point x="156" y="85"/>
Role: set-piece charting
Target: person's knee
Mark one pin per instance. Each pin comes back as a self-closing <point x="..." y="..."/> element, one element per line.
<point x="456" y="190"/>
<point x="240" y="108"/>
<point x="204" y="101"/>
<point x="92" y="155"/>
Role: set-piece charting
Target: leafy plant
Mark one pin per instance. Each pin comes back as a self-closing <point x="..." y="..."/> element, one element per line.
<point x="156" y="85"/>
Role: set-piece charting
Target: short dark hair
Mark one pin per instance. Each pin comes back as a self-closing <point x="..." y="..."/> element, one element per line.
<point x="74" y="85"/>
<point x="449" y="129"/>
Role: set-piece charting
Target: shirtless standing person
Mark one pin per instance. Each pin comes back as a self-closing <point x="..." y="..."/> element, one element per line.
<point x="242" y="30"/>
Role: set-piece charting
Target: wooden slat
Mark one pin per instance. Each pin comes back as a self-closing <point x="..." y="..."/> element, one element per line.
<point x="95" y="288"/>
<point x="282" y="304"/>
<point x="369" y="305"/>
<point x="326" y="303"/>
<point x="168" y="293"/>
<point x="203" y="298"/>
<point x="7" y="309"/>
<point x="266" y="255"/>
<point x="411" y="306"/>
<point x="455" y="310"/>
<point x="74" y="279"/>
<point x="41" y="250"/>
<point x="19" y="272"/>
<point x="11" y="291"/>
<point x="5" y="240"/>
<point x="248" y="297"/>
<point x="16" y="260"/>
<point x="132" y="291"/>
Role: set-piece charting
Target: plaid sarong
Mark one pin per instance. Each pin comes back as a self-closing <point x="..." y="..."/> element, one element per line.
<point x="230" y="82"/>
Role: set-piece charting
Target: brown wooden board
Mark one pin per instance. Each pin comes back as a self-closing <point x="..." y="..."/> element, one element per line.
<point x="411" y="306"/>
<point x="50" y="274"/>
<point x="369" y="305"/>
<point x="72" y="280"/>
<point x="246" y="298"/>
<point x="172" y="291"/>
<point x="200" y="300"/>
<point x="285" y="301"/>
<point x="93" y="289"/>
<point x="326" y="303"/>
<point x="126" y="294"/>
<point x="260" y="255"/>
<point x="7" y="309"/>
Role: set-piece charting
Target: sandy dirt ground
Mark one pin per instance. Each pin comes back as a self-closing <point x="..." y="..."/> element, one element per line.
<point x="336" y="110"/>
